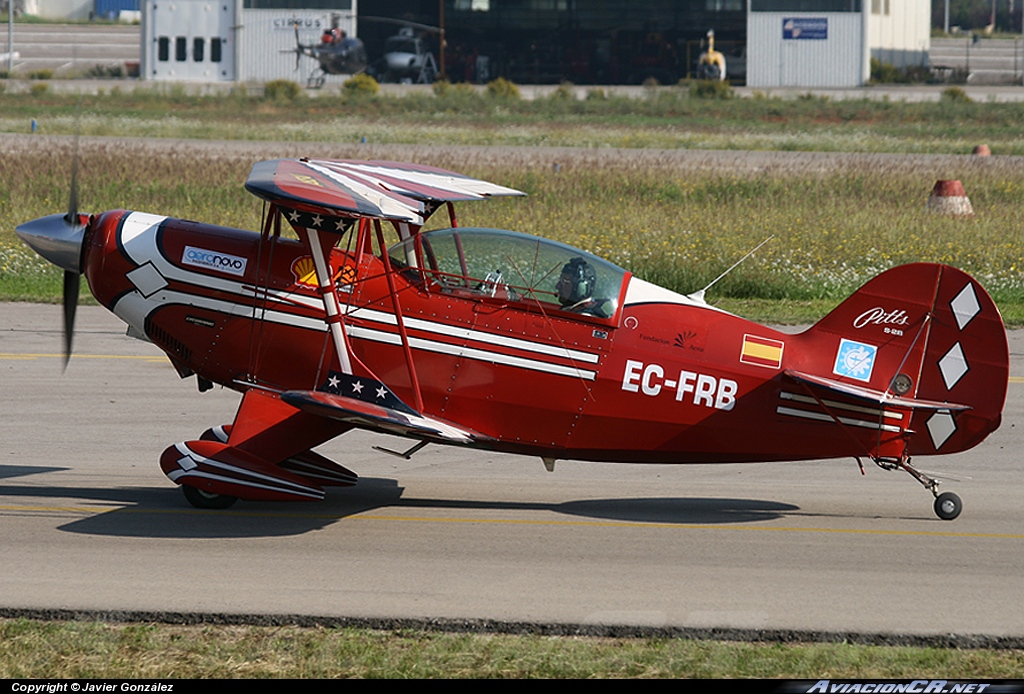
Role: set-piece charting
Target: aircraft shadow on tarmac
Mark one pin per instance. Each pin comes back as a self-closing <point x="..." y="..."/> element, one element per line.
<point x="152" y="512"/>
<point x="9" y="471"/>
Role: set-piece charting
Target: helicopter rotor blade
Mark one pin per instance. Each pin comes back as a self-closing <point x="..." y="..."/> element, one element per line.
<point x="403" y="23"/>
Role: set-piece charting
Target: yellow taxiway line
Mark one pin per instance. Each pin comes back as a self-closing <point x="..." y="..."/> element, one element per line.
<point x="95" y="510"/>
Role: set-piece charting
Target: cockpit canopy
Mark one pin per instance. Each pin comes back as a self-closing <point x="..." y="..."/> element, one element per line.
<point x="511" y="266"/>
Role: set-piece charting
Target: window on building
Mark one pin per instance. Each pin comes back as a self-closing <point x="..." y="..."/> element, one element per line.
<point x="163" y="49"/>
<point x="197" y="49"/>
<point x="215" y="44"/>
<point x="181" y="49"/>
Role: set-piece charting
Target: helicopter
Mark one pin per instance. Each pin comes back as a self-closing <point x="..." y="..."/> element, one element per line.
<point x="407" y="58"/>
<point x="335" y="54"/>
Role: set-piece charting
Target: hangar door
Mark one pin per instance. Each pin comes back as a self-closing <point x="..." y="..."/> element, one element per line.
<point x="190" y="40"/>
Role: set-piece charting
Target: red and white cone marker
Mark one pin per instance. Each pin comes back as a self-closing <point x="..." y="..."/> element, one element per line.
<point x="948" y="197"/>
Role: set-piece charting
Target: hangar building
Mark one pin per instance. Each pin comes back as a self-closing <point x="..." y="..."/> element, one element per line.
<point x="802" y="43"/>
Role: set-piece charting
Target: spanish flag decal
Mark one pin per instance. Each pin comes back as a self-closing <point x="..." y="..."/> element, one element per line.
<point x="762" y="351"/>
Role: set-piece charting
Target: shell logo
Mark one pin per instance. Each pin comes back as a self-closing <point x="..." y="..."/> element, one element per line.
<point x="305" y="273"/>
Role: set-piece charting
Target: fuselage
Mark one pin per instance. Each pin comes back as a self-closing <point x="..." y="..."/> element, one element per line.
<point x="654" y="377"/>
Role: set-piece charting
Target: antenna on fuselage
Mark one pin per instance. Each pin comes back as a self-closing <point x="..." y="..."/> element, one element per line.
<point x="699" y="295"/>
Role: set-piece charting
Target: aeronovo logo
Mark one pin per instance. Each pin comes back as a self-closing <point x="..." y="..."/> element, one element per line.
<point x="213" y="260"/>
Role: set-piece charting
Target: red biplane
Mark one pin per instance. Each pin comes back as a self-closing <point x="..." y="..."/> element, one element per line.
<point x="508" y="342"/>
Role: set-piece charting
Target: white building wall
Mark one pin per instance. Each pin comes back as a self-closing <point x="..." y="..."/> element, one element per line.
<point x="899" y="31"/>
<point x="267" y="42"/>
<point x="189" y="40"/>
<point x="258" y="48"/>
<point x="839" y="60"/>
<point x="59" y="9"/>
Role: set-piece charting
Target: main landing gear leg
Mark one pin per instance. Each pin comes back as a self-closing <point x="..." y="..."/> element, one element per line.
<point x="947" y="504"/>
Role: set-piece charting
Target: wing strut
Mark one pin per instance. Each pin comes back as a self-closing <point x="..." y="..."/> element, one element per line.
<point x="406" y="348"/>
<point x="325" y="287"/>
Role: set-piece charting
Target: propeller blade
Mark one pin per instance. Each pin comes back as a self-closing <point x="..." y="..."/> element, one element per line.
<point x="72" y="282"/>
<point x="58" y="238"/>
<point x="72" y="216"/>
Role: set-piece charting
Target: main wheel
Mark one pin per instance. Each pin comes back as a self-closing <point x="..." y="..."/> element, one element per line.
<point x="207" y="500"/>
<point x="948" y="506"/>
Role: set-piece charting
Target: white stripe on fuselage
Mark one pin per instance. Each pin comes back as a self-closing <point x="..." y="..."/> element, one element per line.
<point x="471" y="353"/>
<point x="138" y="238"/>
<point x="469" y="334"/>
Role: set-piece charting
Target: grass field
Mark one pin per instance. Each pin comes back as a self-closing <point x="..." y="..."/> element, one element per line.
<point x="676" y="226"/>
<point x="667" y="117"/>
<point x="34" y="649"/>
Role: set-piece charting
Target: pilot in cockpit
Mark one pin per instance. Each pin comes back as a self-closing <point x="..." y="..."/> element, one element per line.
<point x="575" y="289"/>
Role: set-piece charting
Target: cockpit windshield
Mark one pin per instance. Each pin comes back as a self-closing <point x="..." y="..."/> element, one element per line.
<point x="510" y="266"/>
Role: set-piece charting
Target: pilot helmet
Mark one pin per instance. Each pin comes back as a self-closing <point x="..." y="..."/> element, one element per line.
<point x="576" y="283"/>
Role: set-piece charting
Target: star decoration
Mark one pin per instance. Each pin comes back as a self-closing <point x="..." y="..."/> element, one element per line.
<point x="294" y="215"/>
<point x="333" y="380"/>
<point x="357" y="387"/>
<point x="317" y="220"/>
<point x="382" y="392"/>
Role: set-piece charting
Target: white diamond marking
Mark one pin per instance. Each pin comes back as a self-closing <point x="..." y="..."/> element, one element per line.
<point x="953" y="366"/>
<point x="941" y="426"/>
<point x="965" y="306"/>
<point x="147" y="279"/>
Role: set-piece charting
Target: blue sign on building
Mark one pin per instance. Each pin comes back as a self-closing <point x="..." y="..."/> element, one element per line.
<point x="803" y="28"/>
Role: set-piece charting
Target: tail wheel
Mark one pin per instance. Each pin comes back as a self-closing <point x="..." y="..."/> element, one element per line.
<point x="207" y="500"/>
<point x="948" y="506"/>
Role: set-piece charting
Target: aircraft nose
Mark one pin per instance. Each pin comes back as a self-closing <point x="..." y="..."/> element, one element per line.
<point x="56" y="238"/>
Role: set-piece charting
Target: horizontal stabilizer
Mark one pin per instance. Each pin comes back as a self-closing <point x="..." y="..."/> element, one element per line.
<point x="877" y="397"/>
<point x="367" y="415"/>
<point x="323" y="471"/>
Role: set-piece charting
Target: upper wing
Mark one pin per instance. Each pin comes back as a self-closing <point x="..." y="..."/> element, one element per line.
<point x="378" y="189"/>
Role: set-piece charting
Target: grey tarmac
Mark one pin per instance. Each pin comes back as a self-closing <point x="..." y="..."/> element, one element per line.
<point x="91" y="524"/>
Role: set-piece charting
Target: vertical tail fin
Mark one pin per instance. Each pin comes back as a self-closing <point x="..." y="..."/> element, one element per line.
<point x="923" y="335"/>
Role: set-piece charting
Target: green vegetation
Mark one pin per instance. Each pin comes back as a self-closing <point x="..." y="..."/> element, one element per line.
<point x="955" y="95"/>
<point x="502" y="89"/>
<point x="884" y="73"/>
<point x="282" y="91"/>
<point x="31" y="649"/>
<point x="669" y="224"/>
<point x="711" y="89"/>
<point x="361" y="86"/>
<point x="664" y="117"/>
